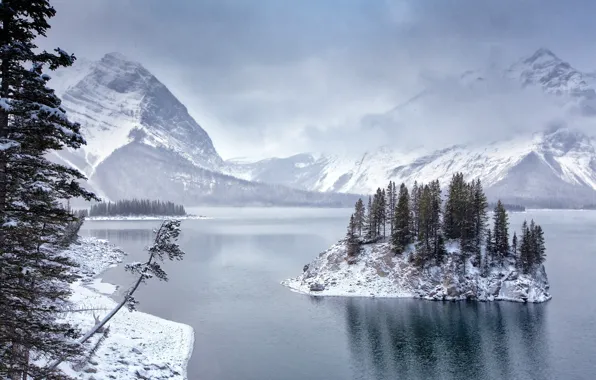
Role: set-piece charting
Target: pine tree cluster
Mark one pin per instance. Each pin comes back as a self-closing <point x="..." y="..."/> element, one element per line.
<point x="136" y="207"/>
<point x="419" y="218"/>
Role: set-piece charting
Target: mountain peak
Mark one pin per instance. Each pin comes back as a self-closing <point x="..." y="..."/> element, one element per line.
<point x="116" y="55"/>
<point x="542" y="55"/>
<point x="116" y="59"/>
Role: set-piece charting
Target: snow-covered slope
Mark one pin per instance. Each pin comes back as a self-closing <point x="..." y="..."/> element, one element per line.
<point x="139" y="345"/>
<point x="553" y="167"/>
<point x="550" y="169"/>
<point x="116" y="100"/>
<point x="378" y="272"/>
<point x="140" y="170"/>
<point x="555" y="76"/>
<point x="141" y="142"/>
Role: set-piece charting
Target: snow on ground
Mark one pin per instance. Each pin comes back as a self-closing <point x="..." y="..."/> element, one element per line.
<point x="378" y="272"/>
<point x="144" y="217"/>
<point x="139" y="345"/>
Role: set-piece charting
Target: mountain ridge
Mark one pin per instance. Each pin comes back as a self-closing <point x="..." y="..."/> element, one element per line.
<point x="561" y="159"/>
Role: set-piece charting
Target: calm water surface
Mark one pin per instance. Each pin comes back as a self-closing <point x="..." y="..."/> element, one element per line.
<point x="247" y="326"/>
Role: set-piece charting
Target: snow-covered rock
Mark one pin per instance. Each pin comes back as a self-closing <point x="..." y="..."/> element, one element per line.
<point x="139" y="345"/>
<point x="378" y="272"/>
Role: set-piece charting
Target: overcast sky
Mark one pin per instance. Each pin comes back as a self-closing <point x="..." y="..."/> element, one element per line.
<point x="277" y="77"/>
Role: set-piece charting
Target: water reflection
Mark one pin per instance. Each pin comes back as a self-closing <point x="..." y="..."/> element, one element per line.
<point x="412" y="339"/>
<point x="140" y="235"/>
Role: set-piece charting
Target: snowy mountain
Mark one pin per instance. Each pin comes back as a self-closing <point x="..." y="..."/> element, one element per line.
<point x="115" y="99"/>
<point x="550" y="168"/>
<point x="141" y="141"/>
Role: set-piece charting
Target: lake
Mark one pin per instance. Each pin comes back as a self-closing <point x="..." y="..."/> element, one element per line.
<point x="247" y="326"/>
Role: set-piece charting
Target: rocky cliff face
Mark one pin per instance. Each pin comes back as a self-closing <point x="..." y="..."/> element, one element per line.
<point x="378" y="272"/>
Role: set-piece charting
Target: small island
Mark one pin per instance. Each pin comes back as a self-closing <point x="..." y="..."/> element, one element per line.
<point x="136" y="209"/>
<point x="412" y="243"/>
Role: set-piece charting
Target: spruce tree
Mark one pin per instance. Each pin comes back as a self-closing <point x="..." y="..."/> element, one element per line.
<point x="525" y="250"/>
<point x="383" y="211"/>
<point x="465" y="224"/>
<point x="34" y="274"/>
<point x="514" y="247"/>
<point x="480" y="205"/>
<point x="359" y="215"/>
<point x="501" y="231"/>
<point x="402" y="235"/>
<point x="414" y="208"/>
<point x="540" y="254"/>
<point x="352" y="242"/>
<point x="457" y="208"/>
<point x="438" y="248"/>
<point x="369" y="220"/>
<point x="490" y="248"/>
<point x="391" y="204"/>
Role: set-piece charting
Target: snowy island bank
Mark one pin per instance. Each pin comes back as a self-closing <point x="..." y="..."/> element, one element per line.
<point x="379" y="272"/>
<point x="423" y="246"/>
<point x="139" y="345"/>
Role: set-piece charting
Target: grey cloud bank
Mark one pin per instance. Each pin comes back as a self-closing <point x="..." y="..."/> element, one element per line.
<point x="274" y="77"/>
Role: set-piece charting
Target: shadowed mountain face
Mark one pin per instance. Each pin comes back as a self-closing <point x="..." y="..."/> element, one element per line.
<point x="140" y="170"/>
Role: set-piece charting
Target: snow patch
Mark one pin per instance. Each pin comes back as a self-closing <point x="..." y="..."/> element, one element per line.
<point x="139" y="345"/>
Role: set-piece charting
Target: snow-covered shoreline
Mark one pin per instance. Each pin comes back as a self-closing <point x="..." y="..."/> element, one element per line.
<point x="146" y="217"/>
<point x="140" y="345"/>
<point x="378" y="272"/>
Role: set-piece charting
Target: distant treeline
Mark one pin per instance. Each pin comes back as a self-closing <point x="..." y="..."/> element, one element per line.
<point x="136" y="207"/>
<point x="508" y="207"/>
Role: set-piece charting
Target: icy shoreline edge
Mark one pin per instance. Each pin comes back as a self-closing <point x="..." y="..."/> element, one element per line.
<point x="139" y="344"/>
<point x="379" y="273"/>
<point x="139" y="218"/>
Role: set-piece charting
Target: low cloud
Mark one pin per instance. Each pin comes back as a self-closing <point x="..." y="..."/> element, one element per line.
<point x="273" y="77"/>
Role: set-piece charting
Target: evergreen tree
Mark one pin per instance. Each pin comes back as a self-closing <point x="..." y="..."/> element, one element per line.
<point x="438" y="248"/>
<point x="465" y="223"/>
<point x="525" y="250"/>
<point x="391" y="203"/>
<point x="369" y="220"/>
<point x="351" y="239"/>
<point x="383" y="211"/>
<point x="490" y="249"/>
<point x="455" y="207"/>
<point x="501" y="231"/>
<point x="414" y="208"/>
<point x="359" y="215"/>
<point x="540" y="254"/>
<point x="514" y="247"/>
<point x="34" y="274"/>
<point x="479" y="206"/>
<point x="402" y="235"/>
